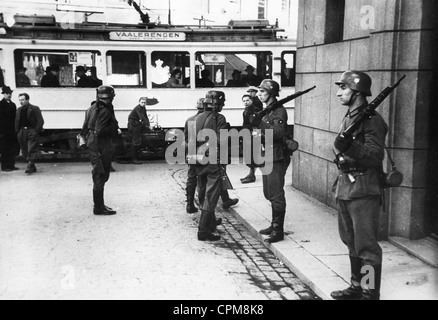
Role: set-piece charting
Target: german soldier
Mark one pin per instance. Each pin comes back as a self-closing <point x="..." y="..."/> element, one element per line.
<point x="138" y="123"/>
<point x="99" y="128"/>
<point x="358" y="190"/>
<point x="273" y="183"/>
<point x="209" y="175"/>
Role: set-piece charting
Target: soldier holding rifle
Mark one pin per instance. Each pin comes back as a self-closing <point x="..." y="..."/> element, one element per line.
<point x="358" y="189"/>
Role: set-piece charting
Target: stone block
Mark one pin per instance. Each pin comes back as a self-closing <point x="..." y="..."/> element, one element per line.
<point x="313" y="176"/>
<point x="408" y="50"/>
<point x="314" y="22"/>
<point x="407" y="212"/>
<point x="304" y="136"/>
<point x="333" y="57"/>
<point x="323" y="144"/>
<point x="315" y="105"/>
<point x="412" y="15"/>
<point x="306" y="58"/>
<point x="296" y="169"/>
<point x="359" y="55"/>
<point x="427" y="52"/>
<point x="381" y="45"/>
<point x="332" y="174"/>
<point x="358" y="20"/>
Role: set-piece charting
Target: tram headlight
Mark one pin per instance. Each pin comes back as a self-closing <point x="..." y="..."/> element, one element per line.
<point x="2" y="31"/>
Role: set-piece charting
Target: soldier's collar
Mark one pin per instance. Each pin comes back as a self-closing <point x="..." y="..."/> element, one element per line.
<point x="355" y="112"/>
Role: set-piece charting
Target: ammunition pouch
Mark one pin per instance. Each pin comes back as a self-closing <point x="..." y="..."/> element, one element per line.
<point x="290" y="145"/>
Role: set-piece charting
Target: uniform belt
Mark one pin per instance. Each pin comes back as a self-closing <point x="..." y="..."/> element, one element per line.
<point x="26" y="128"/>
<point x="351" y="167"/>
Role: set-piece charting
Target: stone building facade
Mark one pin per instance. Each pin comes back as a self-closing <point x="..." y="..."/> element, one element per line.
<point x="387" y="39"/>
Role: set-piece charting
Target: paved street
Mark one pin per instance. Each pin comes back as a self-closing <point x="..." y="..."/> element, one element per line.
<point x="53" y="247"/>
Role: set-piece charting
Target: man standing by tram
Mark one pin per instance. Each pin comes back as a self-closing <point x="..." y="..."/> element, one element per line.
<point x="28" y="125"/>
<point x="138" y="123"/>
<point x="99" y="129"/>
<point x="8" y="138"/>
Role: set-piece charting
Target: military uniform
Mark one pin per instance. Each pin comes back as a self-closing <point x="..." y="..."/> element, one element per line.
<point x="8" y="137"/>
<point x="273" y="183"/>
<point x="359" y="201"/>
<point x="99" y="129"/>
<point x="358" y="188"/>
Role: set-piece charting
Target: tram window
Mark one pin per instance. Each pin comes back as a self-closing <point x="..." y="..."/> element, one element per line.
<point x="54" y="68"/>
<point x="288" y="64"/>
<point x="233" y="69"/>
<point x="170" y="69"/>
<point x="126" y="69"/>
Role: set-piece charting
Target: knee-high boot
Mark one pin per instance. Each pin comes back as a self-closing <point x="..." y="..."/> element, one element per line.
<point x="374" y="293"/>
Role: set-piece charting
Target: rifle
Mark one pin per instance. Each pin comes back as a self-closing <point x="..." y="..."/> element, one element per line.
<point x="369" y="110"/>
<point x="256" y="119"/>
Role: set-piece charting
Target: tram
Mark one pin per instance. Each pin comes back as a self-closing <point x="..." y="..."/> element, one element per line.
<point x="137" y="61"/>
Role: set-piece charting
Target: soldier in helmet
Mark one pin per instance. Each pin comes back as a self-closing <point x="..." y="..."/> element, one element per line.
<point x="209" y="175"/>
<point x="99" y="129"/>
<point x="192" y="177"/>
<point x="273" y="183"/>
<point x="358" y="189"/>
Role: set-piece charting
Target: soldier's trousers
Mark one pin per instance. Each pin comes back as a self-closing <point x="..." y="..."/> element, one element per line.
<point x="192" y="181"/>
<point x="210" y="181"/>
<point x="101" y="163"/>
<point x="28" y="140"/>
<point x="359" y="227"/>
<point x="273" y="190"/>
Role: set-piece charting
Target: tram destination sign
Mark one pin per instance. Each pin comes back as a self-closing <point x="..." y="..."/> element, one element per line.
<point x="147" y="36"/>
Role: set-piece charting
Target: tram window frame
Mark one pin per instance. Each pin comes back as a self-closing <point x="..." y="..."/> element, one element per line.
<point x="171" y="64"/>
<point x="67" y="66"/>
<point x="142" y="80"/>
<point x="288" y="81"/>
<point x="267" y="61"/>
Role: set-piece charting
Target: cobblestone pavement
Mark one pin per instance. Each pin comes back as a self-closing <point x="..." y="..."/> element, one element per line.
<point x="53" y="247"/>
<point x="261" y="267"/>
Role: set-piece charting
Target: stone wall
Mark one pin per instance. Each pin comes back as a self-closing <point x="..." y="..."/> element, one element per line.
<point x="387" y="39"/>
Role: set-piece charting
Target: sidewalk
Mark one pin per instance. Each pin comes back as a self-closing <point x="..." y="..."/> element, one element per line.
<point x="312" y="248"/>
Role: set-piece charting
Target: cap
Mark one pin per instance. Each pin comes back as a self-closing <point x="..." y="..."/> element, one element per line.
<point x="252" y="88"/>
<point x="80" y="68"/>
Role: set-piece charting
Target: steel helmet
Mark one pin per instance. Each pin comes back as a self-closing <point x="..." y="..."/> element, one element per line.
<point x="215" y="98"/>
<point x="356" y="80"/>
<point x="271" y="86"/>
<point x="105" y="92"/>
<point x="200" y="104"/>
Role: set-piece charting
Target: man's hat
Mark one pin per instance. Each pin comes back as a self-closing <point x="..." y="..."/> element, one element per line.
<point x="249" y="67"/>
<point x="80" y="68"/>
<point x="252" y="88"/>
<point x="236" y="72"/>
<point x="6" y="89"/>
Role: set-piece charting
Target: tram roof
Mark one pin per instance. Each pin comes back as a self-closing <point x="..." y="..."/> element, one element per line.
<point x="46" y="27"/>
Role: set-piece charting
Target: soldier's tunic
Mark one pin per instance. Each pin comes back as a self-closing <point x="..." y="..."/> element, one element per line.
<point x="100" y="127"/>
<point x="138" y="123"/>
<point x="359" y="202"/>
<point x="273" y="183"/>
<point x="210" y="183"/>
